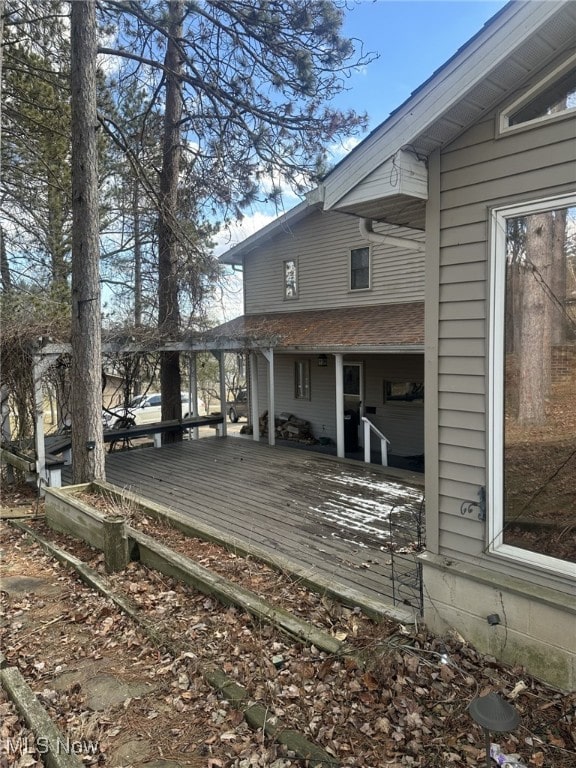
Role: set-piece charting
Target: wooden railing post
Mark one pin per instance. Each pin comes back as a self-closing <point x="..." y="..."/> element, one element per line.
<point x="384" y="442"/>
<point x="116" y="556"/>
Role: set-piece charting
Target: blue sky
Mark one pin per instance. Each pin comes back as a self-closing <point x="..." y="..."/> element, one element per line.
<point x="413" y="38"/>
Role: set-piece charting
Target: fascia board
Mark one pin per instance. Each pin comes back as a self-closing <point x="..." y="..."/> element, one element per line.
<point x="453" y="81"/>
<point x="353" y="349"/>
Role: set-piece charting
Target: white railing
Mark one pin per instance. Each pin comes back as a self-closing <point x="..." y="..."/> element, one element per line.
<point x="384" y="442"/>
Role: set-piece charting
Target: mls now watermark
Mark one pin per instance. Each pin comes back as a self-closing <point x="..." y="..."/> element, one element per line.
<point x="44" y="745"/>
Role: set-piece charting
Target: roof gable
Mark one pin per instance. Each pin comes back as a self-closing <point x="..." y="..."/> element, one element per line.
<point x="521" y="39"/>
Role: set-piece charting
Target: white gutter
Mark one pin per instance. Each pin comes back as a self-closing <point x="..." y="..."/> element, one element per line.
<point x="368" y="233"/>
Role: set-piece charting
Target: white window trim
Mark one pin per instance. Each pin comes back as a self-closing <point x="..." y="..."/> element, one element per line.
<point x="297" y="266"/>
<point x="369" y="286"/>
<point x="495" y="474"/>
<point x="504" y="114"/>
<point x="303" y="365"/>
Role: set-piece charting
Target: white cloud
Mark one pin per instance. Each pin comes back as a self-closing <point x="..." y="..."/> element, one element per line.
<point x="235" y="232"/>
<point x="343" y="148"/>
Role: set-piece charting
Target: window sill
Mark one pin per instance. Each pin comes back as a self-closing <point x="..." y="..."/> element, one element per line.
<point x="534" y="560"/>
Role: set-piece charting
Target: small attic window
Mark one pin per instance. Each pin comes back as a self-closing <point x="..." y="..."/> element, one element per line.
<point x="553" y="96"/>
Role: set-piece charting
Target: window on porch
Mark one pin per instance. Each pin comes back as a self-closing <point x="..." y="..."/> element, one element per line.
<point x="532" y="490"/>
<point x="302" y="379"/>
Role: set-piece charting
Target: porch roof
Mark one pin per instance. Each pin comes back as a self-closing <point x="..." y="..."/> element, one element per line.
<point x="381" y="328"/>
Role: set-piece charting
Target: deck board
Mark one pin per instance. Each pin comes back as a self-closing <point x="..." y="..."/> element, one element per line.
<point x="305" y="507"/>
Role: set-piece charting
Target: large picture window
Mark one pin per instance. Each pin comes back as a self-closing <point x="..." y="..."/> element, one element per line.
<point x="532" y="488"/>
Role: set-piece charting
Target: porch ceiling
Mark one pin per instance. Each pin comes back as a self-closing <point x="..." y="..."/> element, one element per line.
<point x="388" y="327"/>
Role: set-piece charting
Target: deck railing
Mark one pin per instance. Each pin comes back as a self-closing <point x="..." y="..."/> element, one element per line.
<point x="407" y="542"/>
<point x="384" y="442"/>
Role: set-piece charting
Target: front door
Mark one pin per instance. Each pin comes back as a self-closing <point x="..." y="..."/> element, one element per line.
<point x="353" y="375"/>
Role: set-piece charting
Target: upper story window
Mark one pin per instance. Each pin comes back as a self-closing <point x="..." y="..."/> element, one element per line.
<point x="532" y="488"/>
<point x="359" y="268"/>
<point x="290" y="279"/>
<point x="554" y="95"/>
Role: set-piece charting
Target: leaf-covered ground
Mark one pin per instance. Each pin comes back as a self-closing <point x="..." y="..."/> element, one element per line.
<point x="408" y="707"/>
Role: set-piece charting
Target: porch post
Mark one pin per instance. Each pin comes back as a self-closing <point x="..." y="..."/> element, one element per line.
<point x="5" y="426"/>
<point x="222" y="429"/>
<point x="339" y="367"/>
<point x="40" y="365"/>
<point x="254" y="396"/>
<point x="269" y="355"/>
<point x="193" y="392"/>
<point x="5" y="433"/>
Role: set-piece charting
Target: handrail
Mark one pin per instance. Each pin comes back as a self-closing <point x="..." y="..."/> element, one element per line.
<point x="384" y="442"/>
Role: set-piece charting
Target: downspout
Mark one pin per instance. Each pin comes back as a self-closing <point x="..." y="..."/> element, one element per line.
<point x="378" y="237"/>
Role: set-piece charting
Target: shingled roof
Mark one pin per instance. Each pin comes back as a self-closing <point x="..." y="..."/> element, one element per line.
<point x="386" y="327"/>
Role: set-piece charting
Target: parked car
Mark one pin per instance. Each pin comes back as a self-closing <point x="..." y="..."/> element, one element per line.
<point x="145" y="409"/>
<point x="238" y="408"/>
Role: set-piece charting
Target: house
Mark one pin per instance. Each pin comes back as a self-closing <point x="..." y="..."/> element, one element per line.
<point x="481" y="160"/>
<point x="334" y="319"/>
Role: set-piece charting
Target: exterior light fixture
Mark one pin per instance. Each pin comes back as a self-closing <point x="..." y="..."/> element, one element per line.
<point x="322" y="361"/>
<point x="493" y="714"/>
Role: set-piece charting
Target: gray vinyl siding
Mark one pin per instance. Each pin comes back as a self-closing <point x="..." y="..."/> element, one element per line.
<point x="478" y="171"/>
<point x="321" y="244"/>
<point x="402" y="423"/>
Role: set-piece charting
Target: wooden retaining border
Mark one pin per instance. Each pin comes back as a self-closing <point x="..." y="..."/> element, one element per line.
<point x="29" y="466"/>
<point x="255" y="714"/>
<point x="54" y="747"/>
<point x="170" y="563"/>
<point x="56" y="499"/>
<point x="84" y="522"/>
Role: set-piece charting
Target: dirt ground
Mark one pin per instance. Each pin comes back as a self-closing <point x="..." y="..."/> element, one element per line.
<point x="125" y="701"/>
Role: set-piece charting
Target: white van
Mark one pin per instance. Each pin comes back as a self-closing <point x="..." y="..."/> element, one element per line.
<point x="145" y="409"/>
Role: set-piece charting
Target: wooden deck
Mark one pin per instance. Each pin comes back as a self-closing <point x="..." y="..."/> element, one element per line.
<point x="326" y="520"/>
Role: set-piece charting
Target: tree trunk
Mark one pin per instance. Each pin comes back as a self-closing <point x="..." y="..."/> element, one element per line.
<point x="137" y="253"/>
<point x="4" y="266"/>
<point x="558" y="278"/>
<point x="1" y="63"/>
<point x="535" y="350"/>
<point x="86" y="376"/>
<point x="168" y="307"/>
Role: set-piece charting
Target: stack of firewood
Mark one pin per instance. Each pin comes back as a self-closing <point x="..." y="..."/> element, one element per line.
<point x="288" y="427"/>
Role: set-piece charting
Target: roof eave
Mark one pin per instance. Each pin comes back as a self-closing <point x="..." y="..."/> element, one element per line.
<point x="494" y="43"/>
<point x="353" y="349"/>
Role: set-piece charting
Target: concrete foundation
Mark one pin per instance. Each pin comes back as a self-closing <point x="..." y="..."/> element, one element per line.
<point x="536" y="629"/>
